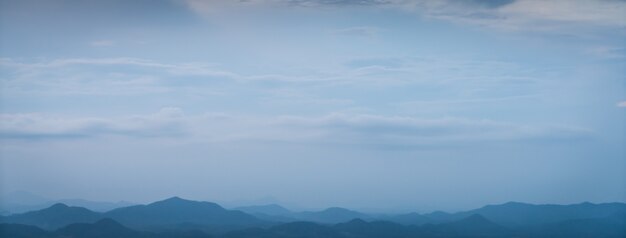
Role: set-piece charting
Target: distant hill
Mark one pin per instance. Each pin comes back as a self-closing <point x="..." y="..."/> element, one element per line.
<point x="472" y="226"/>
<point x="407" y="219"/>
<point x="176" y="212"/>
<point x="22" y="231"/>
<point x="515" y="214"/>
<point x="56" y="216"/>
<point x="270" y="209"/>
<point x="105" y="228"/>
<point x="361" y="228"/>
<point x="21" y="201"/>
<point x="271" y="212"/>
<point x="613" y="226"/>
<point x="176" y="217"/>
<point x="331" y="215"/>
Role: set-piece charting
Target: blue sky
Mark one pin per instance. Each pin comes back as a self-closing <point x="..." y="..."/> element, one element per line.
<point x="376" y="105"/>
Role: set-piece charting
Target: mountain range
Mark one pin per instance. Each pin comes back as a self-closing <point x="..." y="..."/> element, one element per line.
<point x="177" y="217"/>
<point x="22" y="201"/>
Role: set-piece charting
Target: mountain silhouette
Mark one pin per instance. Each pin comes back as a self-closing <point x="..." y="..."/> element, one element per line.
<point x="515" y="214"/>
<point x="331" y="215"/>
<point x="56" y="216"/>
<point x="361" y="228"/>
<point x="270" y="209"/>
<point x="408" y="219"/>
<point x="474" y="225"/>
<point x="22" y="231"/>
<point x="104" y="228"/>
<point x="179" y="212"/>
<point x="304" y="229"/>
<point x="270" y="212"/>
<point x="20" y="201"/>
<point x="177" y="217"/>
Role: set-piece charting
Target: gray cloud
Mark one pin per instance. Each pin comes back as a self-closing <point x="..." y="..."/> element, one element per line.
<point x="512" y="15"/>
<point x="339" y="129"/>
<point x="167" y="122"/>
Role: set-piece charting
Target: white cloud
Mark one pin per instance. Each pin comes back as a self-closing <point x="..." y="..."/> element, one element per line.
<point x="74" y="75"/>
<point x="621" y="104"/>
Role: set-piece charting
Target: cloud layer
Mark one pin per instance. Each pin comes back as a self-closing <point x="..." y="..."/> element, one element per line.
<point x="340" y="129"/>
<point x="527" y="15"/>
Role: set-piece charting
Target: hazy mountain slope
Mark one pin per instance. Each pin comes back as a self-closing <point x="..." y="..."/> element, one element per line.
<point x="54" y="217"/>
<point x="22" y="231"/>
<point x="177" y="212"/>
<point x="270" y="209"/>
<point x="331" y="215"/>
<point x="514" y="214"/>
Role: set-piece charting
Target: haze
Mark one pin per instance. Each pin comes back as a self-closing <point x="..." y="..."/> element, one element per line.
<point x="373" y="105"/>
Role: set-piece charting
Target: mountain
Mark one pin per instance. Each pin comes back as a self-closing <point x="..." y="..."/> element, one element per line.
<point x="408" y="219"/>
<point x="270" y="209"/>
<point x="176" y="213"/>
<point x="20" y="201"/>
<point x="22" y="231"/>
<point x="331" y="215"/>
<point x="361" y="228"/>
<point x="95" y="205"/>
<point x="104" y="228"/>
<point x="56" y="216"/>
<point x="176" y="217"/>
<point x="613" y="226"/>
<point x="472" y="226"/>
<point x="271" y="212"/>
<point x="304" y="229"/>
<point x="515" y="214"/>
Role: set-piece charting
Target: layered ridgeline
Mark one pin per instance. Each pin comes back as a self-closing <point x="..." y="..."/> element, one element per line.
<point x="22" y="201"/>
<point x="176" y="217"/>
<point x="172" y="213"/>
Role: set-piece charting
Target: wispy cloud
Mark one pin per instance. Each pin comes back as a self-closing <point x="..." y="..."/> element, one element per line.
<point x="358" y="31"/>
<point x="97" y="73"/>
<point x="166" y="122"/>
<point x="517" y="15"/>
<point x="621" y="104"/>
<point x="102" y="43"/>
<point x="336" y="128"/>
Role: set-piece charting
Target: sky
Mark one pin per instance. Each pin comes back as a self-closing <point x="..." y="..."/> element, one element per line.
<point x="375" y="105"/>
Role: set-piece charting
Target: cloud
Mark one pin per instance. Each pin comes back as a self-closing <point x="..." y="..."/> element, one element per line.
<point x="313" y="3"/>
<point x="336" y="129"/>
<point x="358" y="31"/>
<point x="399" y="130"/>
<point x="141" y="77"/>
<point x="621" y="104"/>
<point x="102" y="43"/>
<point x="513" y="15"/>
<point x="167" y="122"/>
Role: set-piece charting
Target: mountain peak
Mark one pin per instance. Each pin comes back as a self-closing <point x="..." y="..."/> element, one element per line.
<point x="174" y="201"/>
<point x="175" y="198"/>
<point x="337" y="209"/>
